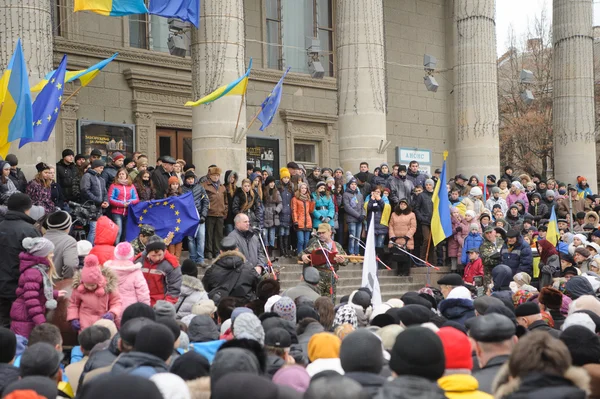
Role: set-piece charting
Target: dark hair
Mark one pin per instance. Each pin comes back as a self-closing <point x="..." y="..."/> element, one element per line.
<point x="116" y="180"/>
<point x="136" y="310"/>
<point x="92" y="336"/>
<point x="455" y="189"/>
<point x="138" y="183"/>
<point x="225" y="308"/>
<point x="539" y="352"/>
<point x="325" y="309"/>
<point x="45" y="332"/>
<point x="364" y="163"/>
<point x="412" y="163"/>
<point x="399" y="211"/>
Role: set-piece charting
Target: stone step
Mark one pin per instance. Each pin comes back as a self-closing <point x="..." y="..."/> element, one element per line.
<point x="355" y="281"/>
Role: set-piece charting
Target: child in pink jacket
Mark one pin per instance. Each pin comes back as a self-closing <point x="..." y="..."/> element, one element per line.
<point x="95" y="295"/>
<point x="132" y="284"/>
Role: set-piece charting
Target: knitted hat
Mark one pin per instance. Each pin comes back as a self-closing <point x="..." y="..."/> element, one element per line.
<point x="96" y="163"/>
<point x="109" y="325"/>
<point x="284" y="172"/>
<point x="345" y="315"/>
<point x="123" y="251"/>
<point x="474" y="226"/>
<point x="457" y="348"/>
<point x="189" y="174"/>
<point x="38" y="246"/>
<point x="321" y="184"/>
<point x="202" y="329"/>
<point x="121" y="385"/>
<point x="238" y="311"/>
<point x="171" y="386"/>
<point x="579" y="319"/>
<point x="361" y="351"/>
<point x="382" y="320"/>
<point x="247" y="325"/>
<point x="173" y="180"/>
<point x="83" y="248"/>
<point x="92" y="274"/>
<point x="163" y="308"/>
<point x="294" y="377"/>
<point x="155" y="339"/>
<point x="270" y="302"/>
<point x="583" y="345"/>
<point x="188" y="268"/>
<point x="324" y="345"/>
<point x="19" y="202"/>
<point x="418" y="351"/>
<point x="269" y="180"/>
<point x="475" y="191"/>
<point x="155" y="243"/>
<point x="286" y="309"/>
<point x="190" y="366"/>
<point x="430" y="182"/>
<point x="59" y="220"/>
<point x="551" y="298"/>
<point x="305" y="311"/>
<point x="42" y="386"/>
<point x="388" y="335"/>
<point x="117" y="155"/>
<point x="8" y="345"/>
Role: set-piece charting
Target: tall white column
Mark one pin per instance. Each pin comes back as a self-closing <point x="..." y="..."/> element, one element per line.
<point x="573" y="92"/>
<point x="218" y="56"/>
<point x="31" y="21"/>
<point x="476" y="88"/>
<point x="361" y="82"/>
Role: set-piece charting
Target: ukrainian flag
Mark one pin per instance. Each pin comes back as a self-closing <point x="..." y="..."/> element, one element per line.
<point x="441" y="224"/>
<point x="16" y="115"/>
<point x="553" y="234"/>
<point x="85" y="76"/>
<point x="112" y="8"/>
<point x="237" y="87"/>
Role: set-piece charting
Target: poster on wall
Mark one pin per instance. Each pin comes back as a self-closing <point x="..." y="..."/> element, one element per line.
<point x="263" y="154"/>
<point x="106" y="137"/>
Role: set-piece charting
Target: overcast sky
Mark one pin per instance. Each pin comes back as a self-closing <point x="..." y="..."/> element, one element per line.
<point x="518" y="12"/>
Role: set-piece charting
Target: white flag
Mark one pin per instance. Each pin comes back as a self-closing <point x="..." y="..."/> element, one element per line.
<point x="369" y="275"/>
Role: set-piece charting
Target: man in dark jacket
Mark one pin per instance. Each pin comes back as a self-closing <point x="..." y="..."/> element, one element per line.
<point x="417" y="178"/>
<point x="93" y="188"/>
<point x="16" y="226"/>
<point x="110" y="171"/>
<point x="516" y="253"/>
<point x="160" y="176"/>
<point x="529" y="316"/>
<point x="16" y="174"/>
<point x="247" y="241"/>
<point x="363" y="185"/>
<point x="196" y="243"/>
<point x="314" y="178"/>
<point x="423" y="208"/>
<point x="231" y="274"/>
<point x="361" y="357"/>
<point x="8" y="345"/>
<point x="400" y="186"/>
<point x="66" y="173"/>
<point x="494" y="336"/>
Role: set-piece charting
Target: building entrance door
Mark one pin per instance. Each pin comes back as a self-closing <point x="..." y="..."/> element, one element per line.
<point x="176" y="143"/>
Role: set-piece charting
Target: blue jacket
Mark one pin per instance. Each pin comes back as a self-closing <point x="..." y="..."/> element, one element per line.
<point x="285" y="216"/>
<point x="324" y="207"/>
<point x="207" y="349"/>
<point x="472" y="240"/>
<point x="457" y="309"/>
<point x="519" y="259"/>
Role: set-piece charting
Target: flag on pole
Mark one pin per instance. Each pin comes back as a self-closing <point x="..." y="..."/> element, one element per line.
<point x="16" y="115"/>
<point x="553" y="234"/>
<point x="112" y="8"/>
<point x="47" y="106"/>
<point x="85" y="76"/>
<point x="441" y="224"/>
<point x="271" y="104"/>
<point x="237" y="87"/>
<point x="185" y="10"/>
<point x="369" y="273"/>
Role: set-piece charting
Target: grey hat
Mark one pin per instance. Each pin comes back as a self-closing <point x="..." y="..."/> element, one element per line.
<point x="493" y="327"/>
<point x="38" y="246"/>
<point x="233" y="361"/>
<point x="168" y="159"/>
<point x="361" y="351"/>
<point x="429" y="181"/>
<point x="203" y="329"/>
<point x="247" y="325"/>
<point x="97" y="163"/>
<point x="163" y="308"/>
<point x="228" y="244"/>
<point x="40" y="359"/>
<point x="495" y="190"/>
<point x="550" y="193"/>
<point x="482" y="303"/>
<point x="311" y="275"/>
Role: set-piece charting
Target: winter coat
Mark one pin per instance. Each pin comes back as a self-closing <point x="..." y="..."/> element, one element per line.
<point x="489" y="204"/>
<point x="228" y="266"/>
<point x="163" y="278"/>
<point x="40" y="196"/>
<point x="101" y="359"/>
<point x="160" y="179"/>
<point x="457" y="239"/>
<point x="145" y="192"/>
<point x="324" y="208"/>
<point x="18" y="178"/>
<point x="250" y="205"/>
<point x="457" y="309"/>
<point x="472" y="240"/>
<point x="140" y="364"/>
<point x="370" y="382"/>
<point x="514" y="222"/>
<point x="403" y="225"/>
<point x="272" y="208"/>
<point x="285" y="216"/>
<point x="513" y="198"/>
<point x="459" y="386"/>
<point x="588" y="218"/>
<point x="310" y="330"/>
<point x="15" y="227"/>
<point x="380" y="180"/>
<point x="303" y="289"/>
<point x="29" y="309"/>
<point x="382" y="210"/>
<point x="192" y="292"/>
<point x="93" y="188"/>
<point x="249" y="244"/>
<point x="218" y="199"/>
<point x="312" y="182"/>
<point x="474" y="204"/>
<point x="65" y="257"/>
<point x="353" y="205"/>
<point x="65" y="175"/>
<point x="485" y="376"/>
<point x="89" y="306"/>
<point x="473" y="269"/>
<point x="410" y="387"/>
<point x="519" y="258"/>
<point x="400" y="189"/>
<point x="133" y="287"/>
<point x="118" y="195"/>
<point x="8" y="375"/>
<point x="106" y="236"/>
<point x="109" y="174"/>
<point x="538" y="211"/>
<point x="200" y="199"/>
<point x="423" y="208"/>
<point x="417" y="179"/>
<point x="301" y="213"/>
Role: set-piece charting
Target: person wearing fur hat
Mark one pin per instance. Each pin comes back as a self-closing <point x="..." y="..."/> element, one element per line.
<point x="286" y="191"/>
<point x="161" y="271"/>
<point x="217" y="212"/>
<point x="133" y="287"/>
<point x="95" y="295"/>
<point x="551" y="300"/>
<point x="35" y="293"/>
<point x="196" y="242"/>
<point x="65" y="257"/>
<point x="192" y="291"/>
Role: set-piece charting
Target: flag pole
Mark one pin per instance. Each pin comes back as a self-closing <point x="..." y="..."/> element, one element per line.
<point x="240" y="112"/>
<point x="72" y="94"/>
<point x="254" y="119"/>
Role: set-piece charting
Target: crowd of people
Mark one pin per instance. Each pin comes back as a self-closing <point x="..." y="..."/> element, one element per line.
<point x="517" y="317"/>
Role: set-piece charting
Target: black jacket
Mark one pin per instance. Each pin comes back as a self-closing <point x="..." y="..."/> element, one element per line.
<point x="131" y="361"/>
<point x="423" y="207"/>
<point x="274" y="363"/>
<point x="160" y="178"/>
<point x="200" y="199"/>
<point x="485" y="376"/>
<point x="15" y="227"/>
<point x="8" y="374"/>
<point x="546" y="386"/>
<point x="410" y="387"/>
<point x="66" y="177"/>
<point x="108" y="174"/>
<point x="231" y="275"/>
<point x="93" y="187"/>
<point x="370" y="382"/>
<point x="541" y="325"/>
<point x="18" y="178"/>
<point x="102" y="358"/>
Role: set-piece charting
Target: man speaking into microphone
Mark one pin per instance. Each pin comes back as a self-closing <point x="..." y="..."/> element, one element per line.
<point x="247" y="241"/>
<point x="334" y="252"/>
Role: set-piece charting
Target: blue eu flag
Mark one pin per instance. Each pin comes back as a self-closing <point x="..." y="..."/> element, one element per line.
<point x="271" y="104"/>
<point x="185" y="10"/>
<point x="174" y="214"/>
<point x="46" y="106"/>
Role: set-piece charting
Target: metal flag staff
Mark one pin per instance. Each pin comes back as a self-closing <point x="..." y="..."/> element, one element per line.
<point x="362" y="245"/>
<point x="422" y="262"/>
<point x="269" y="263"/>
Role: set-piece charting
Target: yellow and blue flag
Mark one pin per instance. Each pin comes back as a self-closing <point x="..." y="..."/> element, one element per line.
<point x="553" y="235"/>
<point x="85" y="76"/>
<point x="271" y="104"/>
<point x="16" y="116"/>
<point x="47" y="106"/>
<point x="441" y="224"/>
<point x="185" y="10"/>
<point x="237" y="87"/>
<point x="173" y="214"/>
<point x="112" y="8"/>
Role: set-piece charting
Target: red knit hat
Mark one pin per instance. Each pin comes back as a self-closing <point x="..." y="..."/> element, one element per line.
<point x="92" y="274"/>
<point x="173" y="180"/>
<point x="580" y="179"/>
<point x="457" y="348"/>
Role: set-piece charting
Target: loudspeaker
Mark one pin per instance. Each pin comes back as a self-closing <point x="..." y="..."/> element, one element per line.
<point x="431" y="83"/>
